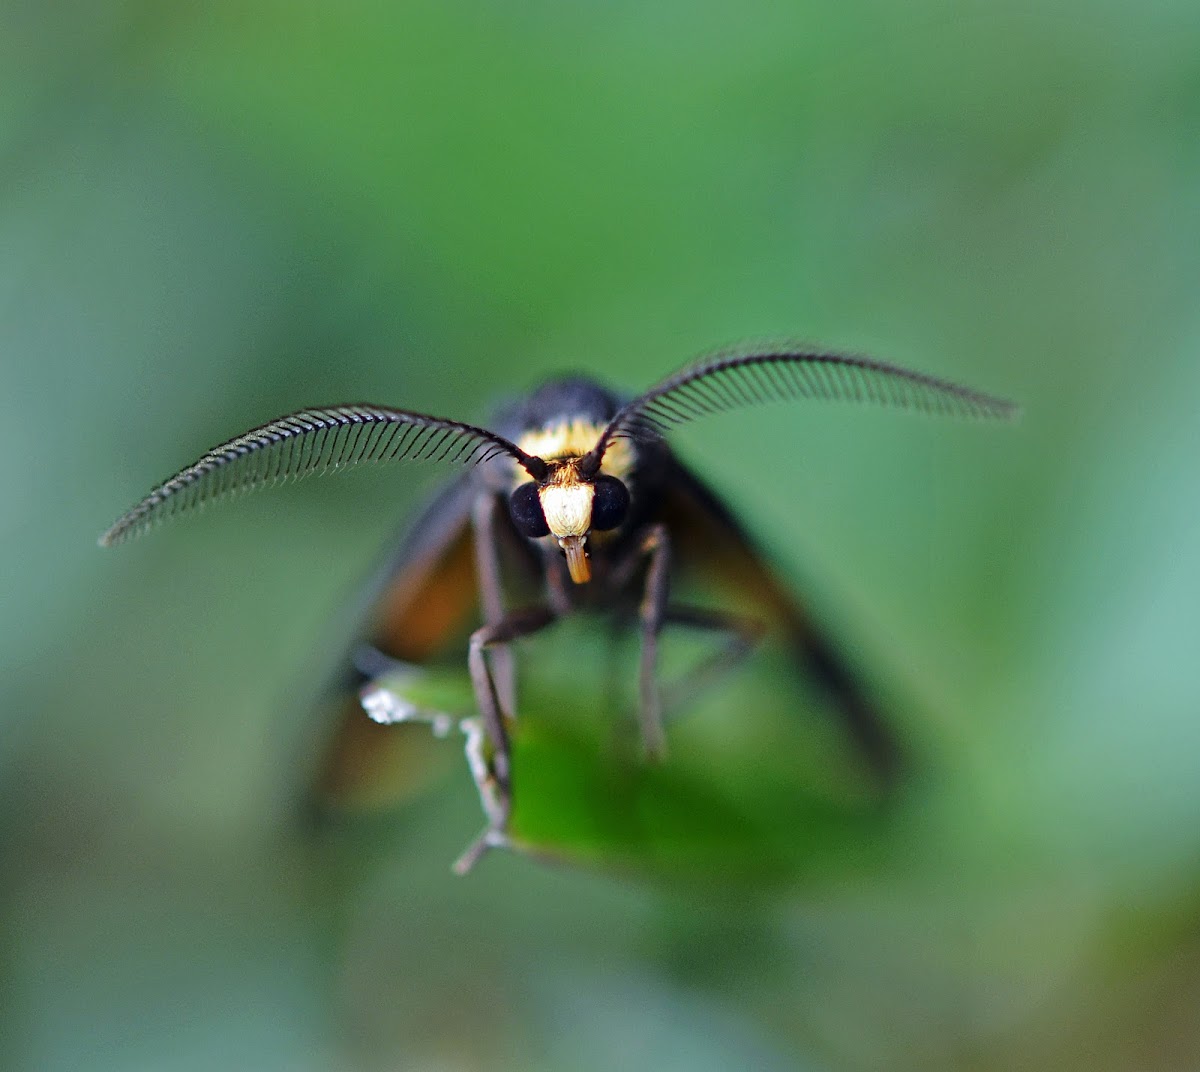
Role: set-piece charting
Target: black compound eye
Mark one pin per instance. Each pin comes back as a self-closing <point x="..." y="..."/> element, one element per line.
<point x="610" y="503"/>
<point x="525" y="505"/>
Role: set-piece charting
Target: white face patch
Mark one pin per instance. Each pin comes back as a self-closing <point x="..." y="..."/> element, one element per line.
<point x="568" y="508"/>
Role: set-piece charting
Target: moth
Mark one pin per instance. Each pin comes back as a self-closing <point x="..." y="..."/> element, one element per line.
<point x="577" y="492"/>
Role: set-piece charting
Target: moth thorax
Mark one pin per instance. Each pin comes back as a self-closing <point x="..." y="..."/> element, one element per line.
<point x="568" y="508"/>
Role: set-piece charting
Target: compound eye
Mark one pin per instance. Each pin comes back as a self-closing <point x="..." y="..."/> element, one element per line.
<point x="525" y="506"/>
<point x="610" y="503"/>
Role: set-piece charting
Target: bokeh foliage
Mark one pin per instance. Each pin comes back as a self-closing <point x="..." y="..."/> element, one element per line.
<point x="215" y="213"/>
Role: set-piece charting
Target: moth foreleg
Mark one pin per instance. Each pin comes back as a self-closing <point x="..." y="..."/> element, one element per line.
<point x="493" y="773"/>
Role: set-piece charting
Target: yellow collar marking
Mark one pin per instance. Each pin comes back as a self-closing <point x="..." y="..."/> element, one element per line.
<point x="564" y="439"/>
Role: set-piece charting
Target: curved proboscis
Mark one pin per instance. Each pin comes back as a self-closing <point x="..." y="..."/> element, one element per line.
<point x="311" y="442"/>
<point x="772" y="374"/>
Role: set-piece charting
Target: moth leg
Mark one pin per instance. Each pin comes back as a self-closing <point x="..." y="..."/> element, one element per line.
<point x="493" y="775"/>
<point x="656" y="545"/>
<point x="557" y="585"/>
<point x="491" y="596"/>
<point x="615" y="670"/>
<point x="742" y="634"/>
<point x="495" y="802"/>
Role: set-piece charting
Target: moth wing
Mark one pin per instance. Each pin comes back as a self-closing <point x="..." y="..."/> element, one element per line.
<point x="706" y="538"/>
<point x="418" y="608"/>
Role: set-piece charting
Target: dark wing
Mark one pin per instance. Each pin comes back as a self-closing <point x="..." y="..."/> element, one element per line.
<point x="309" y="443"/>
<point x="421" y="604"/>
<point x="706" y="536"/>
<point x="771" y="374"/>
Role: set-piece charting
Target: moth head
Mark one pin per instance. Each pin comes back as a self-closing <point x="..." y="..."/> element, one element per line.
<point x="568" y="506"/>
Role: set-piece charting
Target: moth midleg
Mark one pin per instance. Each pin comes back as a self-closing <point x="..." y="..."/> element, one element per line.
<point x="656" y="546"/>
<point x="742" y="635"/>
<point x="491" y="596"/>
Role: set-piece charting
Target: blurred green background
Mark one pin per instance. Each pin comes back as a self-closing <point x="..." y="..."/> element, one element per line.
<point x="215" y="213"/>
